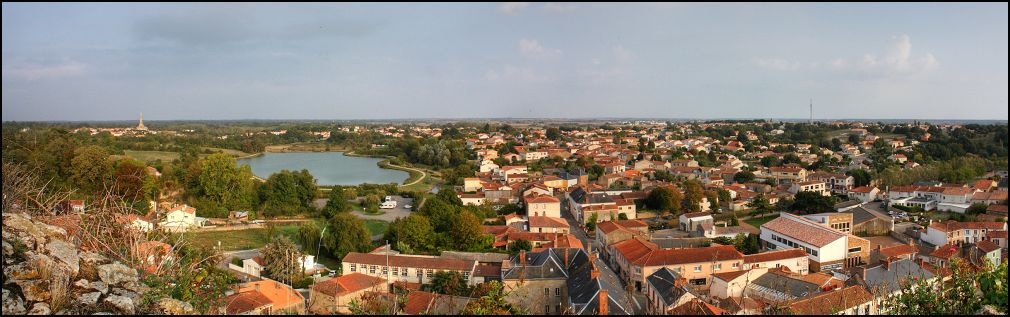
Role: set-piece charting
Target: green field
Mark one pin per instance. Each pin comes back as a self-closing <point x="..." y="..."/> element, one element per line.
<point x="151" y="156"/>
<point x="238" y="239"/>
<point x="757" y="222"/>
<point x="376" y="227"/>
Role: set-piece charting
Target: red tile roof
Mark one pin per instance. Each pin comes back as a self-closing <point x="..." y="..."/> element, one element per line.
<point x="541" y="199"/>
<point x="347" y="284"/>
<point x="774" y="255"/>
<point x="548" y="222"/>
<point x="245" y="302"/>
<point x="803" y="230"/>
<point x="729" y="276"/>
<point x="635" y="248"/>
<point x="690" y="255"/>
<point x="831" y="302"/>
<point x="898" y="250"/>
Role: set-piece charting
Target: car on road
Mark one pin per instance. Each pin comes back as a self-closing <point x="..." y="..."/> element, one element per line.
<point x="407" y="206"/>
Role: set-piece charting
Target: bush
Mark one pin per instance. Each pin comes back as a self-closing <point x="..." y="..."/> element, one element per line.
<point x="236" y="261"/>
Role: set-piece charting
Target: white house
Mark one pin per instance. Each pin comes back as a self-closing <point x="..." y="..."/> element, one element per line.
<point x="181" y="218"/>
<point x="864" y="193"/>
<point x="810" y="186"/>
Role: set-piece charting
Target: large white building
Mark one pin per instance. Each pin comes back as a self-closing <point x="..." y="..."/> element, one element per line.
<point x="827" y="248"/>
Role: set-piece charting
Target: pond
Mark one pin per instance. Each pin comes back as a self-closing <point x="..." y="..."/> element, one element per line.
<point x="329" y="168"/>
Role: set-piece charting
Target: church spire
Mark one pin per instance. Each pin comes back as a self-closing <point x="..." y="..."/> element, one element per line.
<point x="141" y="125"/>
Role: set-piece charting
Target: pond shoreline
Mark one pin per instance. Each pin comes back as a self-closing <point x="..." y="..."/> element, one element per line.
<point x="384" y="163"/>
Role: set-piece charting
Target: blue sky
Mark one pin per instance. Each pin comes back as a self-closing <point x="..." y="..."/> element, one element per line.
<point x="467" y="60"/>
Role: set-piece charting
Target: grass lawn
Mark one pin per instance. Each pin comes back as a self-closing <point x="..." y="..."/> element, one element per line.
<point x="375" y="227"/>
<point x="757" y="222"/>
<point x="240" y="239"/>
<point x="151" y="156"/>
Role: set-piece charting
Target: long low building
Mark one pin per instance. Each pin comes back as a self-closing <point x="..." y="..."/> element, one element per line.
<point x="407" y="268"/>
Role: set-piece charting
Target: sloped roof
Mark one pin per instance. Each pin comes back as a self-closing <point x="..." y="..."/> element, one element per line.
<point x="831" y="302"/>
<point x="348" y="283"/>
<point x="774" y="255"/>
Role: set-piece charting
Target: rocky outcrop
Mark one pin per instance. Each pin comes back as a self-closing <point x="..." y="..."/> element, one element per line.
<point x="46" y="274"/>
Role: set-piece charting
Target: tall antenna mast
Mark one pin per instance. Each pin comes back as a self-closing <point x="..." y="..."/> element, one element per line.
<point x="811" y="110"/>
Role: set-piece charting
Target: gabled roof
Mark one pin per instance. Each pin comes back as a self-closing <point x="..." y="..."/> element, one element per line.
<point x="420" y="302"/>
<point x="241" y="303"/>
<point x="831" y="302"/>
<point x="664" y="281"/>
<point x="691" y="255"/>
<point x="696" y="307"/>
<point x="348" y="283"/>
<point x="804" y="230"/>
<point x="774" y="255"/>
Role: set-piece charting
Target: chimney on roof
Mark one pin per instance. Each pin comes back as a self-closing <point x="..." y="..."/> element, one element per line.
<point x="604" y="310"/>
<point x="887" y="263"/>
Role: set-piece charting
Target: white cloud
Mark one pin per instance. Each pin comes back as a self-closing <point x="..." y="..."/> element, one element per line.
<point x="35" y="72"/>
<point x="897" y="61"/>
<point x="512" y="7"/>
<point x="559" y="7"/>
<point x="532" y="49"/>
<point x="623" y="55"/>
<point x="516" y="73"/>
<point x="778" y="64"/>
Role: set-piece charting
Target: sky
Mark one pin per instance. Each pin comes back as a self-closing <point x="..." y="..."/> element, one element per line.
<point x="345" y="61"/>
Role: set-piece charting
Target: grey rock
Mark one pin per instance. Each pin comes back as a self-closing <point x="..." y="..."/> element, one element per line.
<point x="66" y="253"/>
<point x="171" y="306"/>
<point x="8" y="249"/>
<point x="122" y="303"/>
<point x="100" y="286"/>
<point x="12" y="304"/>
<point x="89" y="299"/>
<point x="82" y="283"/>
<point x="34" y="234"/>
<point x="116" y="273"/>
<point x="40" y="309"/>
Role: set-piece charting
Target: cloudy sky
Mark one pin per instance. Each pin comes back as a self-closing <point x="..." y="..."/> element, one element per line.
<point x="377" y="61"/>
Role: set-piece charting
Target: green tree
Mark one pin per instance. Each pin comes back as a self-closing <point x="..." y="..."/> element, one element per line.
<point x="860" y="176"/>
<point x="346" y="233"/>
<point x="759" y="205"/>
<point x="288" y="193"/>
<point x="465" y="232"/>
<point x="490" y="300"/>
<point x="90" y="167"/>
<point x="812" y="203"/>
<point x="309" y="235"/>
<point x="665" y="198"/>
<point x="225" y="184"/>
<point x="693" y="194"/>
<point x="449" y="283"/>
<point x="964" y="294"/>
<point x="281" y="258"/>
<point x="553" y="133"/>
<point x="591" y="222"/>
<point x="413" y="231"/>
<point x="520" y="245"/>
<point x="131" y="180"/>
<point x="743" y="177"/>
<point x="337" y="202"/>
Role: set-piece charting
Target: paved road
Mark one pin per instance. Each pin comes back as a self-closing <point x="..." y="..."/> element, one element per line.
<point x="625" y="298"/>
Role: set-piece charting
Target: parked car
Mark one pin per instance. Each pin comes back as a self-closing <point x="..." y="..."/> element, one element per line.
<point x="407" y="206"/>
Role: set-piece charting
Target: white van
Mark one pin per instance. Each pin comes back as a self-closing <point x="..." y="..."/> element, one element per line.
<point x="388" y="204"/>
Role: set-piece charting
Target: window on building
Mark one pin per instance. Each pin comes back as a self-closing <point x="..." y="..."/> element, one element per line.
<point x="557" y="308"/>
<point x="557" y="292"/>
<point x="717" y="267"/>
<point x="698" y="281"/>
<point x="697" y="268"/>
<point x="396" y="271"/>
<point x="354" y="268"/>
<point x="547" y="291"/>
<point x="371" y="269"/>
